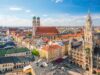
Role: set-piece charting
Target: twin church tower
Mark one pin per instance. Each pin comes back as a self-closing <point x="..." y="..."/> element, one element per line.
<point x="36" y="23"/>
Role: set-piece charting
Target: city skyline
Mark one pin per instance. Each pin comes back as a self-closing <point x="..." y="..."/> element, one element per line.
<point x="52" y="12"/>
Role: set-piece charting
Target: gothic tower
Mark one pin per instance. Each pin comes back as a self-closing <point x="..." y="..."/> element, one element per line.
<point x="34" y="26"/>
<point x="88" y="43"/>
<point x="38" y="21"/>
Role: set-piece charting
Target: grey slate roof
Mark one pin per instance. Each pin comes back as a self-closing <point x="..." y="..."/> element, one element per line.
<point x="14" y="59"/>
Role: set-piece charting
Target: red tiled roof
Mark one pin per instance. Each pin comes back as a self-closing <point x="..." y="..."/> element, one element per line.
<point x="72" y="35"/>
<point x="46" y="31"/>
<point x="51" y="47"/>
<point x="45" y="39"/>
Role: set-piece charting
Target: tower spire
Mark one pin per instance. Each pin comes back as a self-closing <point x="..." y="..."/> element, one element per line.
<point x="88" y="22"/>
<point x="89" y="15"/>
<point x="89" y="42"/>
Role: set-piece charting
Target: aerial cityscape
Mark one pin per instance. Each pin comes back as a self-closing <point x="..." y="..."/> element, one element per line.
<point x="49" y="37"/>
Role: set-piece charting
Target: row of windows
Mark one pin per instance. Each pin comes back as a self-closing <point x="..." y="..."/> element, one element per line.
<point x="5" y="65"/>
<point x="6" y="69"/>
<point x="11" y="68"/>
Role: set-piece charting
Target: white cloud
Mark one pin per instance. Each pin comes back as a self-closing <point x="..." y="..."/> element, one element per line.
<point x="69" y="20"/>
<point x="27" y="11"/>
<point x="14" y="21"/>
<point x="96" y="16"/>
<point x="54" y="20"/>
<point x="32" y="15"/>
<point x="58" y="1"/>
<point x="63" y="20"/>
<point x="15" y="8"/>
<point x="19" y="9"/>
<point x="45" y="15"/>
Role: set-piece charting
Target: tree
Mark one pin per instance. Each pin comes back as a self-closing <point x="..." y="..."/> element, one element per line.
<point x="35" y="52"/>
<point x="29" y="35"/>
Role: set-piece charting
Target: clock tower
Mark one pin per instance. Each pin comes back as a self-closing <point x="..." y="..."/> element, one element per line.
<point x="88" y="44"/>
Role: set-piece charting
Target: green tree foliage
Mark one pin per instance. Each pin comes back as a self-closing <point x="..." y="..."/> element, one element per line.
<point x="35" y="52"/>
<point x="29" y="35"/>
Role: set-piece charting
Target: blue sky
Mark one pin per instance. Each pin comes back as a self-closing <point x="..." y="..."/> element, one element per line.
<point x="52" y="12"/>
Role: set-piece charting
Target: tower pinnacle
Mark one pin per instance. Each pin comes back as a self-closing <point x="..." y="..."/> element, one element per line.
<point x="88" y="43"/>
